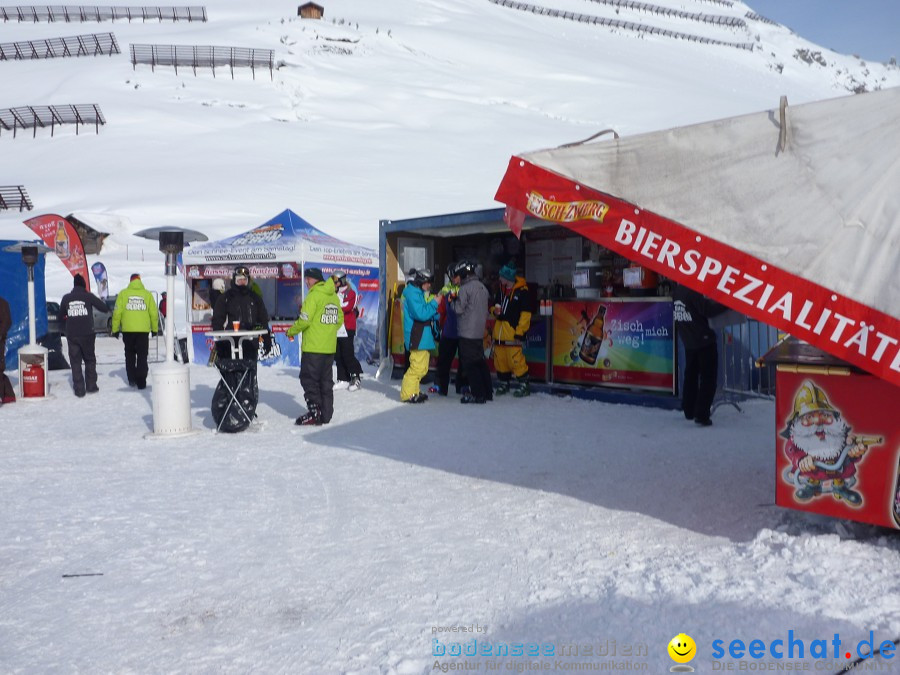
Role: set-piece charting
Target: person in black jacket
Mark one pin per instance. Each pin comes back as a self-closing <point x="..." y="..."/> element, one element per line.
<point x="7" y="393"/>
<point x="76" y="313"/>
<point x="701" y="368"/>
<point x="240" y="303"/>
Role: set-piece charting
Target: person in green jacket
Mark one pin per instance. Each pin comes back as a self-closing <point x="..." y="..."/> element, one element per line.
<point x="319" y="321"/>
<point x="135" y="318"/>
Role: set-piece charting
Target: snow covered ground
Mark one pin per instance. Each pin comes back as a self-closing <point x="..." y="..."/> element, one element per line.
<point x="350" y="548"/>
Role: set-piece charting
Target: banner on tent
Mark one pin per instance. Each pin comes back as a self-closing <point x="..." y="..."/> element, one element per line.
<point x="838" y="325"/>
<point x="282" y="289"/>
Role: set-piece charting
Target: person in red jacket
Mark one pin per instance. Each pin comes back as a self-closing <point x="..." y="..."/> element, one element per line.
<point x="348" y="368"/>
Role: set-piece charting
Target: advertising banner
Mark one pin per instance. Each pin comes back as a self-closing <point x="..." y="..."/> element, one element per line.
<point x="100" y="276"/>
<point x="291" y="290"/>
<point x="59" y="234"/>
<point x="839" y="325"/>
<point x="614" y="342"/>
<point x="838" y="446"/>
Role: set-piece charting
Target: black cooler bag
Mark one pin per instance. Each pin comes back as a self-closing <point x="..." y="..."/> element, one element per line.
<point x="229" y="414"/>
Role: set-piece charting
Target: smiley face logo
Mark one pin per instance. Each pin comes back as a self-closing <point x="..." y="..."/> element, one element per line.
<point x="682" y="648"/>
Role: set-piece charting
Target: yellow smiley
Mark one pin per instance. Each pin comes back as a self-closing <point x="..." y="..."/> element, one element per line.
<point x="682" y="648"/>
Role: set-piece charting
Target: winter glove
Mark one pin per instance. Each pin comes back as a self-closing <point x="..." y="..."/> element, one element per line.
<point x="267" y="343"/>
<point x="520" y="338"/>
<point x="116" y="335"/>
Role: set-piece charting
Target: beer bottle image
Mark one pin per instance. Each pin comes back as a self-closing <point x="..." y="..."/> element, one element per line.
<point x="62" y="241"/>
<point x="593" y="337"/>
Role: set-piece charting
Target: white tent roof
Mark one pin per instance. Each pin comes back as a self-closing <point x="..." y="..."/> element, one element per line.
<point x="810" y="207"/>
<point x="827" y="208"/>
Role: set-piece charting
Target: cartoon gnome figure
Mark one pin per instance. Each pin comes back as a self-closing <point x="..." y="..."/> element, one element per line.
<point x="823" y="454"/>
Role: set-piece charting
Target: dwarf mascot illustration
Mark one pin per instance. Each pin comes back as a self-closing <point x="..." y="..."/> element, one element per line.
<point x="822" y="451"/>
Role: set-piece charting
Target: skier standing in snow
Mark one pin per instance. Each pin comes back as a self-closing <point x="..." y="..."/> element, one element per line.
<point x="420" y="312"/>
<point x="348" y="369"/>
<point x="448" y="345"/>
<point x="239" y="303"/>
<point x="471" y="307"/>
<point x="319" y="321"/>
<point x="135" y="318"/>
<point x="7" y="393"/>
<point x="76" y="311"/>
<point x="701" y="369"/>
<point x="512" y="309"/>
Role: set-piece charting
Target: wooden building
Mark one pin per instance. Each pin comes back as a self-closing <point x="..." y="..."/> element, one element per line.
<point x="310" y="10"/>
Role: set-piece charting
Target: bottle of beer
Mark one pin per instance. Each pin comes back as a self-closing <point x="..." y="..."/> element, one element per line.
<point x="62" y="241"/>
<point x="593" y="337"/>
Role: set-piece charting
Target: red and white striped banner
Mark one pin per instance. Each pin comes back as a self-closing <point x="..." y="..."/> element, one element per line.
<point x="846" y="328"/>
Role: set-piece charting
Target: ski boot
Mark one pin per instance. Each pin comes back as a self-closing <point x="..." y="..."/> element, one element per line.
<point x="417" y="398"/>
<point x="502" y="385"/>
<point x="521" y="388"/>
<point x="354" y="383"/>
<point x="313" y="416"/>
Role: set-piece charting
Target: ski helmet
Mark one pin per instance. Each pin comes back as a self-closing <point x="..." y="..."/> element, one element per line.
<point x="464" y="268"/>
<point x="423" y="276"/>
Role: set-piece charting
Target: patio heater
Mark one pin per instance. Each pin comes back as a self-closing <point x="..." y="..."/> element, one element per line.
<point x="33" y="381"/>
<point x="171" y="392"/>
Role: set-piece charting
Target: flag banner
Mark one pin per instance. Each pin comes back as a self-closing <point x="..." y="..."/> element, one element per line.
<point x="59" y="234"/>
<point x="514" y="220"/>
<point x="100" y="276"/>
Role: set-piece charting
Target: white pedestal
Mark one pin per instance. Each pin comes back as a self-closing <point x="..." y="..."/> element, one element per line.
<point x="171" y="396"/>
<point x="34" y="356"/>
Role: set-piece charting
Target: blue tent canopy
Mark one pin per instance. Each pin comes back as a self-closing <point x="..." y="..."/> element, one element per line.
<point x="14" y="288"/>
<point x="286" y="236"/>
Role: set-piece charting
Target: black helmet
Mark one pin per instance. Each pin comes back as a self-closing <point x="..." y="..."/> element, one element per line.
<point x="464" y="268"/>
<point x="241" y="271"/>
<point x="423" y="275"/>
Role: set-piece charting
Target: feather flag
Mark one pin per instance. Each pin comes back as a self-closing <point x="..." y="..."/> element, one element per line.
<point x="99" y="270"/>
<point x="59" y="234"/>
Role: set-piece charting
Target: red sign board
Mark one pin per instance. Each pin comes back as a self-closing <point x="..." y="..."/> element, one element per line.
<point x="838" y="446"/>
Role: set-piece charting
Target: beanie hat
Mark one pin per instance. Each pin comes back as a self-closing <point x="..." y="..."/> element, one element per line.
<point x="314" y="273"/>
<point x="79" y="281"/>
<point x="508" y="272"/>
<point x="135" y="276"/>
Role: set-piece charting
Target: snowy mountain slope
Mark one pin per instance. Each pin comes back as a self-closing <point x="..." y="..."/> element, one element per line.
<point x="383" y="110"/>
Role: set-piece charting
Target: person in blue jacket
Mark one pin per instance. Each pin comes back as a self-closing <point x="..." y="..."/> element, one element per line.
<point x="420" y="312"/>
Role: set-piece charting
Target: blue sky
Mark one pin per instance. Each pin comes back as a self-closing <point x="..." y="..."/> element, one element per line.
<point x="868" y="28"/>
